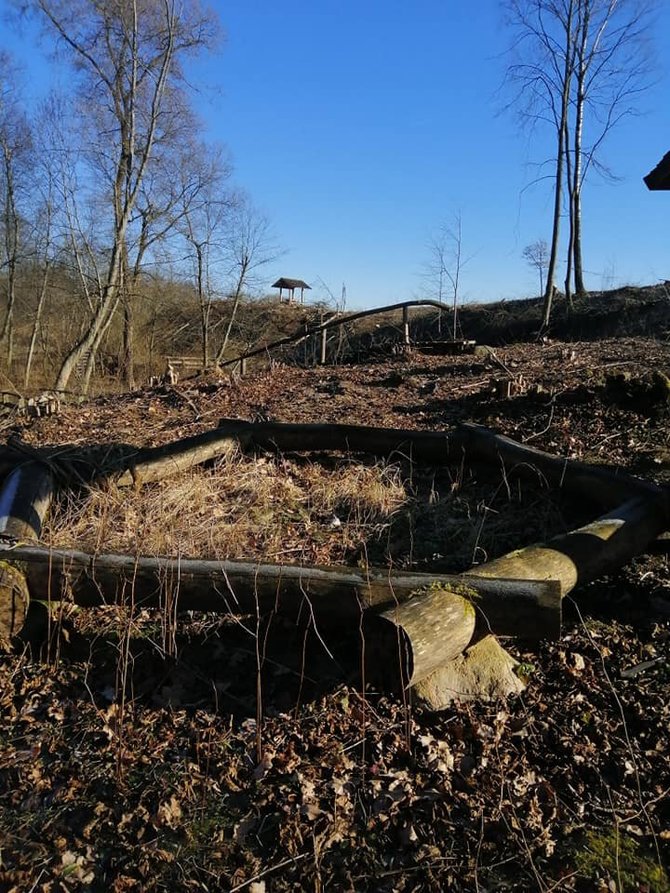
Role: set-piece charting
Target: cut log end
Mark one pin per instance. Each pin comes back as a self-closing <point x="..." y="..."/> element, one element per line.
<point x="14" y="601"/>
<point x="408" y="641"/>
<point x="484" y="672"/>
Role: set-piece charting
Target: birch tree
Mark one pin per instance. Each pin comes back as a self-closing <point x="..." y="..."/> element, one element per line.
<point x="540" y="76"/>
<point x="579" y="67"/>
<point x="612" y="68"/>
<point x="128" y="56"/>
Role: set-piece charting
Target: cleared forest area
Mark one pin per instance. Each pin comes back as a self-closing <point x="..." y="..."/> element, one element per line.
<point x="146" y="749"/>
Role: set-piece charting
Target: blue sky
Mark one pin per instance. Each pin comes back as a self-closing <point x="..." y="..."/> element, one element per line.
<point x="358" y="126"/>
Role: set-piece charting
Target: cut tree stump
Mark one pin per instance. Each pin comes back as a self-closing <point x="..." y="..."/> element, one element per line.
<point x="485" y="671"/>
<point x="25" y="498"/>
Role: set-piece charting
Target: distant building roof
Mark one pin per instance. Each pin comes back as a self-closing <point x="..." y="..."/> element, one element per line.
<point x="659" y="178"/>
<point x="290" y="283"/>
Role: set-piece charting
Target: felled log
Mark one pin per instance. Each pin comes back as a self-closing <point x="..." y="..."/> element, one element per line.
<point x="156" y="463"/>
<point x="590" y="551"/>
<point x="238" y="587"/>
<point x="606" y="486"/>
<point x="569" y="560"/>
<point x="409" y="641"/>
<point x="25" y="497"/>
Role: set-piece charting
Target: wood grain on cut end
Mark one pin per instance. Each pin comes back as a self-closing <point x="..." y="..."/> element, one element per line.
<point x="14" y="600"/>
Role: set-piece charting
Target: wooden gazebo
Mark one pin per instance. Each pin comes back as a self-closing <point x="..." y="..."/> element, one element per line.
<point x="290" y="285"/>
<point x="659" y="178"/>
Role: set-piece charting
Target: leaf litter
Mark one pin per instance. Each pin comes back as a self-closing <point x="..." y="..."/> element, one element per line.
<point x="128" y="766"/>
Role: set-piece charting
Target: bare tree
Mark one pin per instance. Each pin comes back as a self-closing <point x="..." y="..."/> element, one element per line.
<point x="128" y="55"/>
<point x="537" y="255"/>
<point x="204" y="223"/>
<point x="442" y="273"/>
<point x="15" y="163"/>
<point x="612" y="69"/>
<point x="43" y="257"/>
<point x="577" y="66"/>
<point x="250" y="246"/>
<point x="540" y="75"/>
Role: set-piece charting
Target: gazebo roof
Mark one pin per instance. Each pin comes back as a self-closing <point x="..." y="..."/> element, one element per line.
<point x="290" y="283"/>
<point x="659" y="178"/>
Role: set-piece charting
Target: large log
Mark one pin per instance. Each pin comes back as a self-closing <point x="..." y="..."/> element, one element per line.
<point x="590" y="551"/>
<point x="608" y="487"/>
<point x="604" y="485"/>
<point x="125" y="464"/>
<point x="238" y="587"/>
<point x="155" y="464"/>
<point x="25" y="498"/>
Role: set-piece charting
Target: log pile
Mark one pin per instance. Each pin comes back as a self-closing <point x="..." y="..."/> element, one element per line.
<point x="433" y="634"/>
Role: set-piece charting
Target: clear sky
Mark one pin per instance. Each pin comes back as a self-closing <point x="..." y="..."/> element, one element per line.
<point x="358" y="126"/>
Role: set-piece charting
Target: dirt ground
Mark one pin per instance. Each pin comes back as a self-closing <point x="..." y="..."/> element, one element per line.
<point x="134" y="755"/>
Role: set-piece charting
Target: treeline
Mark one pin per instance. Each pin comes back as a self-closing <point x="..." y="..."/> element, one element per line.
<point x="119" y="222"/>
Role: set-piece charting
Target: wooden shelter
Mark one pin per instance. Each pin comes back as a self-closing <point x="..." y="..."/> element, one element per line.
<point x="659" y="178"/>
<point x="290" y="285"/>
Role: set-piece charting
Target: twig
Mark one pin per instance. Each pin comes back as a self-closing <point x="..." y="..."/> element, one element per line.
<point x="547" y="426"/>
<point x="267" y="871"/>
<point x="631" y="753"/>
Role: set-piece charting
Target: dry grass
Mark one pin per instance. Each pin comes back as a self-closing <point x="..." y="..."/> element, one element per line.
<point x="271" y="509"/>
<point x="293" y="510"/>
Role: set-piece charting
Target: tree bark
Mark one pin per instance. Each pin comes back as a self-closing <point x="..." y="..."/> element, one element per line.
<point x="336" y="594"/>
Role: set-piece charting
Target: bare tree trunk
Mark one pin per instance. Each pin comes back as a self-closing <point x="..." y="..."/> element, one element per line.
<point x="562" y="133"/>
<point x="571" y="227"/>
<point x="11" y="227"/>
<point x="237" y="296"/>
<point x="95" y="348"/>
<point x="36" y="322"/>
<point x="128" y="353"/>
<point x="556" y="229"/>
<point x="577" y="187"/>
